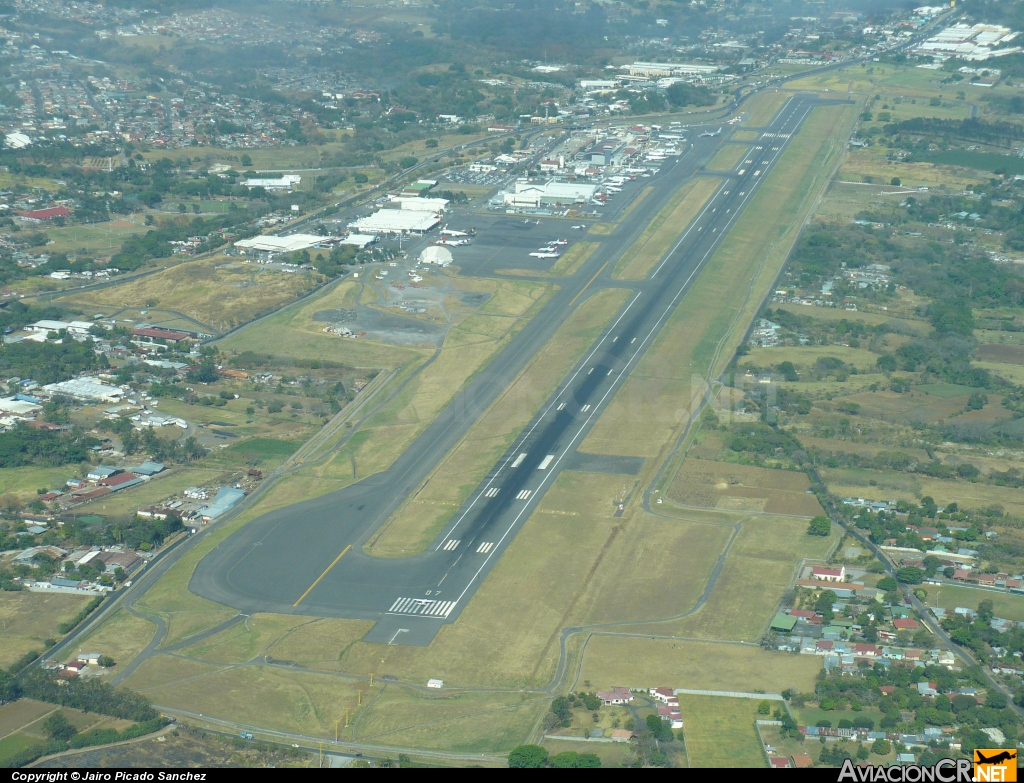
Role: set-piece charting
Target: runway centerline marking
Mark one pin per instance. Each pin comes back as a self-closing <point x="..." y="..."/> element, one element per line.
<point x="326" y="571"/>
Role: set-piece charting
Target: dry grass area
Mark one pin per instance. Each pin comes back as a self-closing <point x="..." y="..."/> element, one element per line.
<point x="728" y="486"/>
<point x="571" y="261"/>
<point x="804" y="356"/>
<point x="466" y="722"/>
<point x="447" y="487"/>
<point x="122" y="637"/>
<point x="720" y="732"/>
<point x="1003" y="354"/>
<point x="28" y="619"/>
<point x="638" y="261"/>
<point x="630" y="661"/>
<point x="657" y="568"/>
<point x="763" y="107"/>
<point x="760" y="567"/>
<point x="728" y="157"/>
<point x="220" y="292"/>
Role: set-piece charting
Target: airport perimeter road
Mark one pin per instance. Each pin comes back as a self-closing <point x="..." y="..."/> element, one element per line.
<point x="308" y="559"/>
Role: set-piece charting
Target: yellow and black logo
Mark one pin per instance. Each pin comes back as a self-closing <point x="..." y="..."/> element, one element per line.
<point x="998" y="765"/>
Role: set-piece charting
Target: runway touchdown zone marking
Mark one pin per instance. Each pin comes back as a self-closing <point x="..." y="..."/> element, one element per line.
<point x="485" y="547"/>
<point x="491" y="492"/>
<point x="423" y="607"/>
<point x="524" y="495"/>
<point x="452" y="544"/>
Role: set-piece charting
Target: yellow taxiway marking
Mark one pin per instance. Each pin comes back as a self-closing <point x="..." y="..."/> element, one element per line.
<point x="310" y="590"/>
<point x="591" y="280"/>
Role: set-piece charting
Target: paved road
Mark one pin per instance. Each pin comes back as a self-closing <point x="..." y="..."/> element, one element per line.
<point x="308" y="558"/>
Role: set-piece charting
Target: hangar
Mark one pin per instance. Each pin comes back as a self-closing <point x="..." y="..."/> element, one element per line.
<point x="396" y="221"/>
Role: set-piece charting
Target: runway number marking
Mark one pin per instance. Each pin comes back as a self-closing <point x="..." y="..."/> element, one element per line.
<point x="524" y="495"/>
<point x="546" y="461"/>
<point x="520" y="458"/>
<point x="491" y="492"/>
<point x="422" y="606"/>
<point x="451" y="545"/>
<point x="485" y="547"/>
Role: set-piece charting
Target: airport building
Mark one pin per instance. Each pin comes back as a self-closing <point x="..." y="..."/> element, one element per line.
<point x="396" y="221"/>
<point x="537" y="194"/>
<point x="420" y="203"/>
<point x="265" y="247"/>
<point x="657" y="70"/>
<point x="439" y="256"/>
<point x="286" y="182"/>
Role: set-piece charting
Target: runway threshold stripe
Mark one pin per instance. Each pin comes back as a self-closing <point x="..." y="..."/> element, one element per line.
<point x="326" y="571"/>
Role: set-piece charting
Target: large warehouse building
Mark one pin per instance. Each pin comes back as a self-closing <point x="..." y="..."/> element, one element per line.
<point x="536" y="194"/>
<point x="267" y="246"/>
<point x="396" y="221"/>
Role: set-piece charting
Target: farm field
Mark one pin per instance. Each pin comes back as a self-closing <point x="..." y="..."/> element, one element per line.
<point x="21" y="724"/>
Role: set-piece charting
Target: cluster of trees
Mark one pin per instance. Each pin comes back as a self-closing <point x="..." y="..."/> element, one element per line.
<point x="24" y="445"/>
<point x="87" y="694"/>
<point x="988" y="132"/>
<point x="536" y="757"/>
<point x="50" y="362"/>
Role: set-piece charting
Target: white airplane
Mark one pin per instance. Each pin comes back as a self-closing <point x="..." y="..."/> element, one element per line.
<point x="544" y="254"/>
<point x="709" y="133"/>
<point x="453" y="233"/>
<point x="581" y="226"/>
<point x="416" y="278"/>
<point x="612" y="189"/>
<point x="560" y="242"/>
<point x="734" y="120"/>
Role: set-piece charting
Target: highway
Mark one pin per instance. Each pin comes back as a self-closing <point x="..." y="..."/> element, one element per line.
<point x="308" y="558"/>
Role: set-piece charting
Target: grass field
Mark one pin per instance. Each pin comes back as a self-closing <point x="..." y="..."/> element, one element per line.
<point x="629" y="661"/>
<point x="613" y="755"/>
<point x="96" y="240"/>
<point x="25" y="481"/>
<point x="720" y="732"/>
<point x="760" y="567"/>
<point x="122" y="637"/>
<point x="734" y="487"/>
<point x="657" y="568"/>
<point x="21" y="724"/>
<point x="728" y="157"/>
<point x="426" y="511"/>
<point x="1010" y="607"/>
<point x="220" y="292"/>
<point x="764" y="106"/>
<point x="636" y="263"/>
<point x="28" y="619"/>
<point x="573" y="259"/>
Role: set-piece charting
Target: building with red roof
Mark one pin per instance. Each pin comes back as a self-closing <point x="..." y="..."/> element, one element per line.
<point x="46" y="214"/>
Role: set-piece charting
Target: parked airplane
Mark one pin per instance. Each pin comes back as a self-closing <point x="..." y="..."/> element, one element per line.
<point x="451" y="242"/>
<point x="452" y="233"/>
<point x="709" y="133"/>
<point x="544" y="254"/>
<point x="734" y="120"/>
<point x="560" y="242"/>
<point x="579" y="226"/>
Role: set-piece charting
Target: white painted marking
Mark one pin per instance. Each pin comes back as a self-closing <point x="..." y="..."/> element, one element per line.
<point x="609" y="373"/>
<point x="422" y="606"/>
<point x="614" y="339"/>
<point x="560" y="406"/>
<point x="547" y="460"/>
<point x="451" y="545"/>
<point x="524" y="495"/>
<point x="485" y="547"/>
<point x="491" y="492"/>
<point x="584" y="409"/>
<point x="632" y="341"/>
<point x="591" y="370"/>
<point x="519" y="460"/>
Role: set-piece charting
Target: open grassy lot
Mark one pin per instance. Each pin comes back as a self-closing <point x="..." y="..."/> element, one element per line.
<point x="474" y="722"/>
<point x="760" y="567"/>
<point x="28" y="619"/>
<point x="657" y="568"/>
<point x="638" y="261"/>
<point x="220" y="292"/>
<point x="25" y="481"/>
<point x="734" y="487"/>
<point x="634" y="662"/>
<point x="122" y="637"/>
<point x="701" y="335"/>
<point x="450" y="483"/>
<point x="573" y="259"/>
<point x="803" y="356"/>
<point x="21" y="724"/>
<point x="1004" y="604"/>
<point x="728" y="157"/>
<point x="720" y="732"/>
<point x="96" y="240"/>
<point x="246" y="640"/>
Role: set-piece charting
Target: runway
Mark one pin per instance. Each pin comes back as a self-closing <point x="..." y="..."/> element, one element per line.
<point x="308" y="558"/>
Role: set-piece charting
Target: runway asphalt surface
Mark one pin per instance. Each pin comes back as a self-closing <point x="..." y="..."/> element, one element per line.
<point x="308" y="558"/>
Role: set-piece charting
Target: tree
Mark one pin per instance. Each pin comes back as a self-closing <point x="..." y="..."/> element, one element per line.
<point x="895" y="181"/>
<point x="788" y="371"/>
<point x="570" y="759"/>
<point x="887" y="583"/>
<point x="764" y="707"/>
<point x="881" y="747"/>
<point x="986" y="611"/>
<point x="820" y="526"/>
<point x="58" y="727"/>
<point x="911" y="575"/>
<point x="10" y="690"/>
<point x="246" y="161"/>
<point x="527" y="757"/>
<point x="106" y="661"/>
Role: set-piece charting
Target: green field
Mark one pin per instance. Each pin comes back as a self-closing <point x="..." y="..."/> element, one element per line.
<point x="720" y="732"/>
<point x="980" y="161"/>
